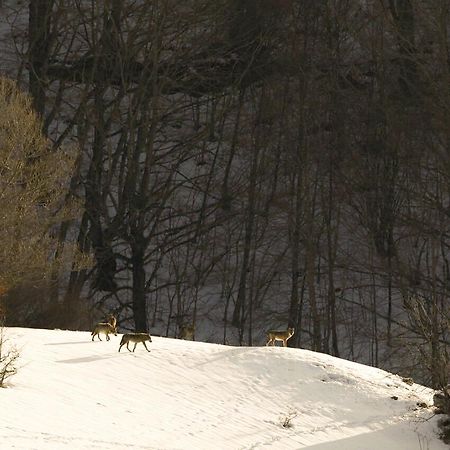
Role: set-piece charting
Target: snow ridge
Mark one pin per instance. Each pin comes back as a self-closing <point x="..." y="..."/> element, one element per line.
<point x="72" y="393"/>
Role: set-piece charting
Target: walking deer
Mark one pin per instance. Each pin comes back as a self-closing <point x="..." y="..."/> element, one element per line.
<point x="135" y="338"/>
<point x="104" y="328"/>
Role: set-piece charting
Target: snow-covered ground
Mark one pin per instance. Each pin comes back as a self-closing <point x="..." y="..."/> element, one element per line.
<point x="71" y="393"/>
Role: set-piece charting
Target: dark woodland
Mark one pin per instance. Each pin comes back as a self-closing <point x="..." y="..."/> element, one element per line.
<point x="240" y="165"/>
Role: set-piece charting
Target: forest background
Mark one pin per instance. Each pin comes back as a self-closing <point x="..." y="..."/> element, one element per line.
<point x="240" y="165"/>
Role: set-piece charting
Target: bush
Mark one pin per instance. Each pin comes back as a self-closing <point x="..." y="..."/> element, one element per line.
<point x="441" y="401"/>
<point x="286" y="419"/>
<point x="34" y="202"/>
<point x="32" y="189"/>
<point x="8" y="356"/>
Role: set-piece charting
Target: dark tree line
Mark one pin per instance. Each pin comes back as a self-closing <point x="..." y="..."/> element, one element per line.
<point x="244" y="165"/>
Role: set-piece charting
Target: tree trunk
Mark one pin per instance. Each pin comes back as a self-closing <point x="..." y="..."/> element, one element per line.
<point x="39" y="35"/>
<point x="295" y="253"/>
<point x="239" y="313"/>
<point x="138" y="291"/>
<point x="310" y="281"/>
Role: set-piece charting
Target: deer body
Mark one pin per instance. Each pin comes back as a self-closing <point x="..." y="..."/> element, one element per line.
<point x="187" y="332"/>
<point x="104" y="328"/>
<point x="136" y="338"/>
<point x="275" y="335"/>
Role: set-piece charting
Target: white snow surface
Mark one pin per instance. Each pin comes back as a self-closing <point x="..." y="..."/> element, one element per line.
<point x="72" y="393"/>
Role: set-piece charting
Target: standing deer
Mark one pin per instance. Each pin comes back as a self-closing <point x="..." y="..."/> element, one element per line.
<point x="187" y="332"/>
<point x="275" y="335"/>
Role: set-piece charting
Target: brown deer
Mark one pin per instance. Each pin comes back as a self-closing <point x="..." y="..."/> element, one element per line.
<point x="275" y="335"/>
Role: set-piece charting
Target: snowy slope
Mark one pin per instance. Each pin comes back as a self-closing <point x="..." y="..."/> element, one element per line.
<point x="71" y="393"/>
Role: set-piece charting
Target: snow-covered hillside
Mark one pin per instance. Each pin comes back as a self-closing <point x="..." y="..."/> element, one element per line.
<point x="71" y="393"/>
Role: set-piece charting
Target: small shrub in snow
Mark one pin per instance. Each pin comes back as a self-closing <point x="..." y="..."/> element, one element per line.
<point x="442" y="400"/>
<point x="8" y="358"/>
<point x="408" y="380"/>
<point x="286" y="419"/>
<point x="444" y="426"/>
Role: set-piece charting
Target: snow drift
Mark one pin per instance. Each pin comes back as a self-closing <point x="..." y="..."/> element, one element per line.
<point x="72" y="393"/>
